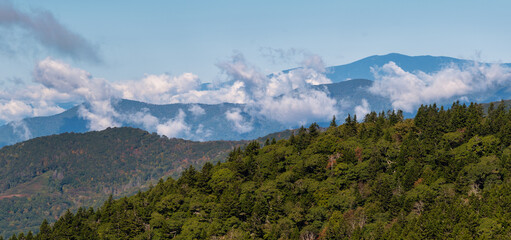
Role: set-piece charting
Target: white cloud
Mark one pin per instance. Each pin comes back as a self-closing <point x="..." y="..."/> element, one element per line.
<point x="284" y="97"/>
<point x="238" y="121"/>
<point x="21" y="130"/>
<point x="202" y="133"/>
<point x="196" y="110"/>
<point x="158" y="89"/>
<point x="100" y="115"/>
<point x="66" y="79"/>
<point x="299" y="108"/>
<point x="314" y="62"/>
<point x="14" y="110"/>
<point x="144" y="118"/>
<point x="234" y="93"/>
<point x="363" y="109"/>
<point x="408" y="90"/>
<point x="174" y="127"/>
<point x="98" y="93"/>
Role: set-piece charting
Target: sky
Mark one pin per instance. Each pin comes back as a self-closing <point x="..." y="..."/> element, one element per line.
<point x="133" y="38"/>
<point x="115" y="43"/>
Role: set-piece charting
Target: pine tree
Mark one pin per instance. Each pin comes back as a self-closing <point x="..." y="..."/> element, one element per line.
<point x="333" y="123"/>
<point x="30" y="236"/>
<point x="44" y="231"/>
<point x="314" y="130"/>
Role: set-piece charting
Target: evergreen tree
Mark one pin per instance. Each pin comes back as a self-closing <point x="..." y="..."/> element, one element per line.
<point x="314" y="130"/>
<point x="44" y="231"/>
<point x="333" y="123"/>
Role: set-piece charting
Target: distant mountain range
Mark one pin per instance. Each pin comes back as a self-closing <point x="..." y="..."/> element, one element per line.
<point x="351" y="83"/>
<point x="213" y="120"/>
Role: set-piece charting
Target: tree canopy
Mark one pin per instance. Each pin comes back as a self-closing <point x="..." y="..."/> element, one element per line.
<point x="446" y="174"/>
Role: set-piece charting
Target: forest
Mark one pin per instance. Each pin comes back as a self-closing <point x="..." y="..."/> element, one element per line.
<point x="43" y="177"/>
<point x="445" y="174"/>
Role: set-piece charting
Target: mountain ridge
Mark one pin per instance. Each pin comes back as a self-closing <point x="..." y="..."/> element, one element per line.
<point x="350" y="87"/>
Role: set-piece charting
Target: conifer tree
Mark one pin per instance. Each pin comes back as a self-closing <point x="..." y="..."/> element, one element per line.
<point x="333" y="123"/>
<point x="44" y="231"/>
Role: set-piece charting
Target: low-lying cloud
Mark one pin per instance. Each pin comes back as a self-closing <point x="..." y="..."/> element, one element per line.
<point x="362" y="109"/>
<point x="285" y="97"/>
<point x="408" y="90"/>
<point x="289" y="98"/>
<point x="174" y="127"/>
<point x="238" y="122"/>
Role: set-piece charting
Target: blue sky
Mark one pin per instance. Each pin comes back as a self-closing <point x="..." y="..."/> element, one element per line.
<point x="55" y="54"/>
<point x="134" y="38"/>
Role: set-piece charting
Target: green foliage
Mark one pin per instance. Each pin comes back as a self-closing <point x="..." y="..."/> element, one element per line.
<point x="434" y="177"/>
<point x="43" y="177"/>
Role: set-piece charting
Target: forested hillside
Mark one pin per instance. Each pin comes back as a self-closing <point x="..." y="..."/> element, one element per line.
<point x="43" y="177"/>
<point x="443" y="175"/>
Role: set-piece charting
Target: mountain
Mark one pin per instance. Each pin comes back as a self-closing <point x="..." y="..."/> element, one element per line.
<point x="202" y="122"/>
<point x="212" y="121"/>
<point x="446" y="174"/>
<point x="362" y="68"/>
<point x="211" y="124"/>
<point x="42" y="177"/>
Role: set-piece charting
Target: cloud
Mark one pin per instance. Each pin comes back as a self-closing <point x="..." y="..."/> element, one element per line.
<point x="49" y="32"/>
<point x="299" y="108"/>
<point x="80" y="85"/>
<point x="63" y="78"/>
<point x="238" y="70"/>
<point x="143" y="118"/>
<point x="286" y="97"/>
<point x="21" y="130"/>
<point x="202" y="133"/>
<point x="238" y="121"/>
<point x="315" y="63"/>
<point x="14" y="110"/>
<point x="279" y="55"/>
<point x="174" y="127"/>
<point x="158" y="89"/>
<point x="234" y="93"/>
<point x="408" y="90"/>
<point x="196" y="110"/>
<point x="363" y="109"/>
<point x="100" y="115"/>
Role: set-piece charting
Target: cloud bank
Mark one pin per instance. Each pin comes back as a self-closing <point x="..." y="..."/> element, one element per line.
<point x="285" y="97"/>
<point x="289" y="97"/>
<point x="407" y="90"/>
<point x="48" y="31"/>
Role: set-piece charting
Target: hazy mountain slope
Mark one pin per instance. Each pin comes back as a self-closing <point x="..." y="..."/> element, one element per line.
<point x="68" y="121"/>
<point x="362" y="68"/>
